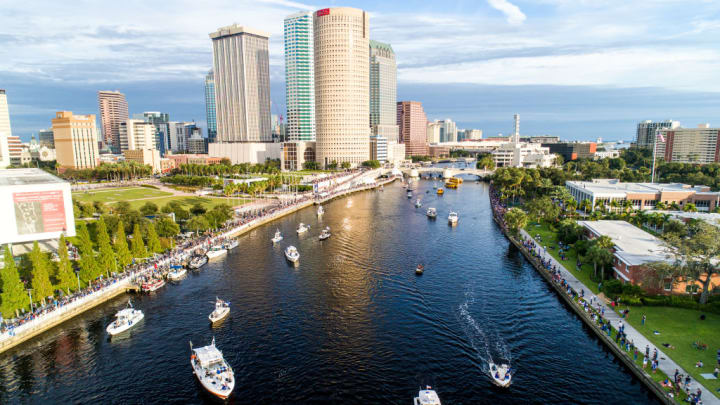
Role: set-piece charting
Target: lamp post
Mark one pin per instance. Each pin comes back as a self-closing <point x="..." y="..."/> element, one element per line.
<point x="29" y="290"/>
<point x="77" y="273"/>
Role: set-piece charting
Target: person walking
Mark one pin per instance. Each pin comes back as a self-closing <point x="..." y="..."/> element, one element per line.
<point x="642" y="320"/>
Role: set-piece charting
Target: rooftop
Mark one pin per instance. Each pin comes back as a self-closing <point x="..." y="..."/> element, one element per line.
<point x="237" y="29"/>
<point x="616" y="187"/>
<point x="632" y="245"/>
<point x="21" y="177"/>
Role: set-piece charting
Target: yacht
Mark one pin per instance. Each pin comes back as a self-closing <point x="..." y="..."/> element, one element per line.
<point x="431" y="213"/>
<point x="212" y="371"/>
<point x="278" y="237"/>
<point x="418" y="203"/>
<point x="320" y="210"/>
<point x="292" y="254"/>
<point x="152" y="285"/>
<point x="197" y="262"/>
<point x="125" y="319"/>
<point x="302" y="228"/>
<point x="325" y="233"/>
<point x="176" y="273"/>
<point x="222" y="309"/>
<point x="501" y="374"/>
<point x="216" y="251"/>
<point x="427" y="397"/>
<point x="453" y="218"/>
<point x="232" y="244"/>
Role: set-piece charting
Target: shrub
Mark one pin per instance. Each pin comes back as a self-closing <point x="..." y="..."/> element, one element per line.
<point x="612" y="288"/>
<point x="149" y="186"/>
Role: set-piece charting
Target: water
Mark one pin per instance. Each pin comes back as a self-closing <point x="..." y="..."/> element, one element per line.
<point x="350" y="324"/>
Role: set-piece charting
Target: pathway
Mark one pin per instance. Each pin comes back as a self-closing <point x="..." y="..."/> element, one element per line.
<point x="667" y="365"/>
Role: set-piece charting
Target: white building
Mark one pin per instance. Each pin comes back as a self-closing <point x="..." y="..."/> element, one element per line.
<point x="136" y="134"/>
<point x="179" y="132"/>
<point x="5" y="130"/>
<point x="245" y="152"/>
<point x="690" y="145"/>
<point x="395" y="153"/>
<point x="522" y="154"/>
<point x="433" y="132"/>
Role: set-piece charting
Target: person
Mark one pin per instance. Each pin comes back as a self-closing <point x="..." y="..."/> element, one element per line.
<point x="642" y="321"/>
<point x="716" y="372"/>
<point x="699" y="364"/>
<point x="668" y="345"/>
<point x="645" y="362"/>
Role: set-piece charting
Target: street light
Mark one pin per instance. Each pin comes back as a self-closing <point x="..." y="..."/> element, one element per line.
<point x="29" y="290"/>
<point x="77" y="273"/>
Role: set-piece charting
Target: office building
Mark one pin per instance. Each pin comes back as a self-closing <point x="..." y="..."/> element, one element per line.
<point x="150" y="157"/>
<point x="383" y="91"/>
<point x="196" y="143"/>
<point x="342" y="85"/>
<point x="433" y="132"/>
<point x="136" y="134"/>
<point x="573" y="150"/>
<point x="162" y="130"/>
<point x="242" y="84"/>
<point x="473" y="134"/>
<point x="447" y="130"/>
<point x="15" y="148"/>
<point x="412" y="121"/>
<point x="296" y="153"/>
<point x="379" y="148"/>
<point x="690" y="145"/>
<point x="179" y="133"/>
<point x="300" y="76"/>
<point x="76" y="144"/>
<point x="45" y="137"/>
<point x="522" y="154"/>
<point x="5" y="130"/>
<point x="210" y="110"/>
<point x="647" y="132"/>
<point x="113" y="111"/>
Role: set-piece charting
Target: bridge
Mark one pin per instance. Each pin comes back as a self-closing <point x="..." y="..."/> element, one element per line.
<point x="446" y="172"/>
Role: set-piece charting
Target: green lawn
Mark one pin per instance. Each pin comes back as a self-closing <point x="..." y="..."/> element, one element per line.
<point x="681" y="328"/>
<point x="118" y="194"/>
<point x="188" y="202"/>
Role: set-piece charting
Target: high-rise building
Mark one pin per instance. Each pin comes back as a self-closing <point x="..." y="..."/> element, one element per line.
<point x="196" y="143"/>
<point x="179" y="133"/>
<point x="433" y="132"/>
<point x="15" y="150"/>
<point x="136" y="134"/>
<point x="383" y="90"/>
<point x="473" y="134"/>
<point x="300" y="76"/>
<point x="412" y="121"/>
<point x="647" y="131"/>
<point x="113" y="111"/>
<point x="447" y="130"/>
<point x="162" y="130"/>
<point x="690" y="145"/>
<point x="210" y="110"/>
<point x="76" y="142"/>
<point x="242" y="84"/>
<point x="5" y="130"/>
<point x="45" y="137"/>
<point x="342" y="85"/>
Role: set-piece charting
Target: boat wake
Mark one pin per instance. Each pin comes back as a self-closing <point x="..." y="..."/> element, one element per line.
<point x="489" y="346"/>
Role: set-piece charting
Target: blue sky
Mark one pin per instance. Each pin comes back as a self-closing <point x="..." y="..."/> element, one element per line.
<point x="574" y="68"/>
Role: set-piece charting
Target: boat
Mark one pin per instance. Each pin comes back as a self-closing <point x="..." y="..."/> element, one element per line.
<point x="292" y="254"/>
<point x="222" y="309"/>
<point x="434" y="185"/>
<point x="325" y="233"/>
<point x="152" y="285"/>
<point x="431" y="213"/>
<point x="216" y="251"/>
<point x="418" y="203"/>
<point x="278" y="237"/>
<point x="427" y="397"/>
<point x="449" y="184"/>
<point x="453" y="218"/>
<point x="500" y="374"/>
<point x="125" y="319"/>
<point x="440" y="191"/>
<point x="302" y="228"/>
<point x="409" y="194"/>
<point x="176" y="273"/>
<point x="212" y="371"/>
<point x="197" y="262"/>
<point x="232" y="244"/>
<point x="320" y="210"/>
<point x="420" y="269"/>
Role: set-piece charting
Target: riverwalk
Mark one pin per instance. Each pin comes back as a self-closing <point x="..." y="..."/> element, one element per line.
<point x="666" y="364"/>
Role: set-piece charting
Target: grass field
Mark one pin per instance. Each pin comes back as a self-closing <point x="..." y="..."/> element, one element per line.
<point x="188" y="202"/>
<point x="138" y="196"/>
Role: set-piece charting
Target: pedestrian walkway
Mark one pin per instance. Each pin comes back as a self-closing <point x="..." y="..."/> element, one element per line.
<point x="666" y="364"/>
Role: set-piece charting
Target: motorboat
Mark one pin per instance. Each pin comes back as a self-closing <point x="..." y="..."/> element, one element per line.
<point x="320" y="210"/>
<point x="427" y="397"/>
<point x="418" y="203"/>
<point x="215" y="252"/>
<point x="431" y="213"/>
<point x="212" y="371"/>
<point x="302" y="228"/>
<point x="152" y="285"/>
<point x="325" y="233"/>
<point x="420" y="269"/>
<point x="453" y="218"/>
<point x="222" y="309"/>
<point x="197" y="262"/>
<point x="125" y="319"/>
<point x="440" y="191"/>
<point x="232" y="244"/>
<point x="409" y="194"/>
<point x="176" y="273"/>
<point x="500" y="374"/>
<point x="292" y="254"/>
<point x="278" y="237"/>
<point x="434" y="186"/>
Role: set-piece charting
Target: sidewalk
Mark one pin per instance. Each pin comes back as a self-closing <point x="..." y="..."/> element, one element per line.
<point x="667" y="365"/>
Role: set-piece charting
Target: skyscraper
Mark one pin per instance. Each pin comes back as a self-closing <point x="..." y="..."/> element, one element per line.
<point x="242" y="84"/>
<point x="412" y="121"/>
<point x="76" y="142"/>
<point x="162" y="130"/>
<point x="383" y="91"/>
<point x="136" y="134"/>
<point x="113" y="111"/>
<point x="5" y="130"/>
<point x="45" y="138"/>
<point x="300" y="76"/>
<point x="342" y="85"/>
<point x="647" y="131"/>
<point x="210" y="109"/>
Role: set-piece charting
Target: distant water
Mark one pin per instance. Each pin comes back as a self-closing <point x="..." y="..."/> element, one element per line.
<point x="351" y="324"/>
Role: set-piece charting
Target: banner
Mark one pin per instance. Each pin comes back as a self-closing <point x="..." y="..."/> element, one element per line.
<point x="39" y="212"/>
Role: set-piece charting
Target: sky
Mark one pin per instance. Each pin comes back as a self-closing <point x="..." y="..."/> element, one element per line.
<point x="578" y="69"/>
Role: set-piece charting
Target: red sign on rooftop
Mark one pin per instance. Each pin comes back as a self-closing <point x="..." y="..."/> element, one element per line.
<point x="322" y="12"/>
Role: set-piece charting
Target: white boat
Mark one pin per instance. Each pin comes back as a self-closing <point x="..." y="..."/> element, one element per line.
<point x="292" y="254"/>
<point x="418" y="203"/>
<point x="501" y="374"/>
<point x="152" y="285"/>
<point x="211" y="369"/>
<point x="409" y="194"/>
<point x="427" y="397"/>
<point x="176" y="274"/>
<point x="222" y="309"/>
<point x="453" y="218"/>
<point x="278" y="237"/>
<point x="431" y="213"/>
<point x="420" y="269"/>
<point x="325" y="233"/>
<point x="125" y="319"/>
<point x="320" y="210"/>
<point x="232" y="244"/>
<point x="302" y="228"/>
<point x="197" y="262"/>
<point x="216" y="251"/>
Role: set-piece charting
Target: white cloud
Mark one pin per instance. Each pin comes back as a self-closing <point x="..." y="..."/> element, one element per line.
<point x="512" y="12"/>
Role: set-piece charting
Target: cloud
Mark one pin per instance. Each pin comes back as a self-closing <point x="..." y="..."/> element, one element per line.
<point x="512" y="12"/>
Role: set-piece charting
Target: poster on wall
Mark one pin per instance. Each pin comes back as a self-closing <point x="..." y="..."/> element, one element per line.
<point x="39" y="212"/>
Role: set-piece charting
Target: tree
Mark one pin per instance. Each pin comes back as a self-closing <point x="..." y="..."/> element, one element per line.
<point x="166" y="227"/>
<point x="121" y="247"/>
<point x="345" y="165"/>
<point x="137" y="245"/>
<point x="542" y="208"/>
<point x="374" y="164"/>
<point x="690" y="207"/>
<point x="310" y="165"/>
<point x="65" y="274"/>
<point x="696" y="255"/>
<point x="13" y="295"/>
<point x="149" y="208"/>
<point x="153" y="240"/>
<point x="485" y="162"/>
<point x="197" y="209"/>
<point x="89" y="268"/>
<point x="515" y="219"/>
<point x="333" y="165"/>
<point x="197" y="224"/>
<point x="569" y="231"/>
<point x="107" y="258"/>
<point x="598" y="255"/>
<point x="40" y="274"/>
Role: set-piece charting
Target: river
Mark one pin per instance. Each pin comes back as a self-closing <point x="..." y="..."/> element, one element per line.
<point x="351" y="324"/>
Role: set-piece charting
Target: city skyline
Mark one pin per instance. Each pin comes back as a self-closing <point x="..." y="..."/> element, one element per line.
<point x="591" y="71"/>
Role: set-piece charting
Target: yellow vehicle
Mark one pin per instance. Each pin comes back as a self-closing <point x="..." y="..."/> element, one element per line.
<point x="450" y="184"/>
<point x="455" y="180"/>
<point x="440" y="191"/>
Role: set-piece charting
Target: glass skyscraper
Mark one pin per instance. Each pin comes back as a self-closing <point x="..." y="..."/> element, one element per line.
<point x="210" y="106"/>
<point x="300" y="76"/>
